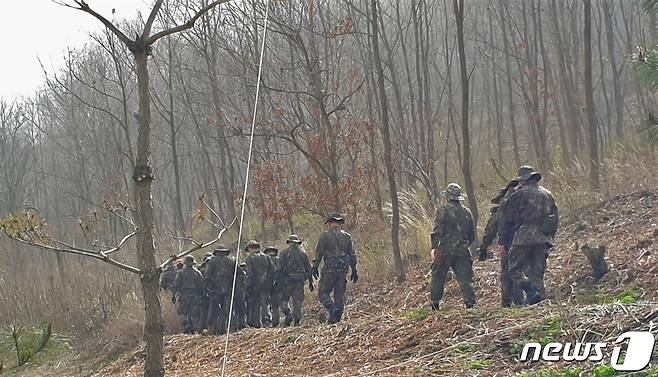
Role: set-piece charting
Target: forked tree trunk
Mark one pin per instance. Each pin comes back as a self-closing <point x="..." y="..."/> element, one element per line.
<point x="143" y="177"/>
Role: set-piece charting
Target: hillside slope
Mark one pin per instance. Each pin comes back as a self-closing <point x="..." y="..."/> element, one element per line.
<point x="388" y="330"/>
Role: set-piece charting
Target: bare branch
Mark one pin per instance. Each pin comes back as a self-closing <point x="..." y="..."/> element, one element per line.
<point x="151" y="19"/>
<point x="75" y="251"/>
<point x="83" y="6"/>
<point x="198" y="246"/>
<point x="188" y="25"/>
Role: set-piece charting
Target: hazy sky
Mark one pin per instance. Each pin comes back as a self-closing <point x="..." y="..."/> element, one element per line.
<point x="40" y="29"/>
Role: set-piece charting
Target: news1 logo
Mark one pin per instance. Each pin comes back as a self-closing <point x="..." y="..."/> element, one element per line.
<point x="638" y="346"/>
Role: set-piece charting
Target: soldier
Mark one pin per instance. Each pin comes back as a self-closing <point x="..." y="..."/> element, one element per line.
<point x="259" y="275"/>
<point x="528" y="224"/>
<point x="189" y="285"/>
<point x="168" y="277"/>
<point x="507" y="293"/>
<point x="274" y="295"/>
<point x="295" y="270"/>
<point x="219" y="282"/>
<point x="336" y="249"/>
<point x="454" y="231"/>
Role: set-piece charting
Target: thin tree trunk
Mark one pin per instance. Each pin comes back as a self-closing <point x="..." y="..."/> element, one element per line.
<point x="388" y="159"/>
<point x="589" y="99"/>
<point x="178" y="206"/>
<point x="143" y="177"/>
<point x="468" y="178"/>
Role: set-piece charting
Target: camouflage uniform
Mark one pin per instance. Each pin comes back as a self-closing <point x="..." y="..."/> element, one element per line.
<point x="189" y="285"/>
<point x="205" y="299"/>
<point x="507" y="293"/>
<point x="454" y="231"/>
<point x="219" y="282"/>
<point x="528" y="225"/>
<point x="295" y="270"/>
<point x="335" y="248"/>
<point x="168" y="278"/>
<point x="259" y="275"/>
<point x="274" y="295"/>
<point x="239" y="298"/>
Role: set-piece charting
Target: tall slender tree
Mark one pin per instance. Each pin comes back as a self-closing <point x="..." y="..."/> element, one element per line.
<point x="458" y="6"/>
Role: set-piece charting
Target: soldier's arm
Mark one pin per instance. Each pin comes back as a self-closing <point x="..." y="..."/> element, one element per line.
<point x="507" y="219"/>
<point x="471" y="227"/>
<point x="491" y="229"/>
<point x="319" y="251"/>
<point x="307" y="266"/>
<point x="435" y="236"/>
<point x="352" y="253"/>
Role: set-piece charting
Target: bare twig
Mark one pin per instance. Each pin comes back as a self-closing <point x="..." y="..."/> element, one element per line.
<point x="197" y="246"/>
<point x="188" y="25"/>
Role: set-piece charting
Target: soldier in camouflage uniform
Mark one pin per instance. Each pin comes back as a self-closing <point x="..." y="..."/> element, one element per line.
<point x="454" y="231"/>
<point x="335" y="248"/>
<point x="219" y="282"/>
<point x="528" y="224"/>
<point x="189" y="286"/>
<point x="507" y="293"/>
<point x="274" y="295"/>
<point x="168" y="277"/>
<point x="260" y="270"/>
<point x="295" y="270"/>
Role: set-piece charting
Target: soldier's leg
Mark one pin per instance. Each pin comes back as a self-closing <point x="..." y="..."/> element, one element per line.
<point x="286" y="293"/>
<point x="507" y="292"/>
<point x="339" y="296"/>
<point x="438" y="279"/>
<point x="275" y="301"/>
<point x="224" y="307"/>
<point x="463" y="268"/>
<point x="184" y="312"/>
<point x="203" y="309"/>
<point x="536" y="267"/>
<point x="213" y="313"/>
<point x="253" y="309"/>
<point x="517" y="264"/>
<point x="326" y="286"/>
<point x="240" y="309"/>
<point x="297" y="301"/>
<point x="265" y="316"/>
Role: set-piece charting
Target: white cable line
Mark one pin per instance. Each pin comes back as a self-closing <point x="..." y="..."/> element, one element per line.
<point x="246" y="185"/>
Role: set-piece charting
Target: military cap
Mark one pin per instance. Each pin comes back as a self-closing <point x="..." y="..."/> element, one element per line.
<point x="454" y="192"/>
<point x="252" y="243"/>
<point x="271" y="250"/>
<point x="293" y="238"/>
<point x="189" y="260"/>
<point x="528" y="173"/>
<point x="334" y="217"/>
<point x="221" y="249"/>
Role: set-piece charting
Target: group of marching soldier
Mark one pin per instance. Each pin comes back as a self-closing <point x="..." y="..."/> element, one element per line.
<point x="255" y="292"/>
<point x="524" y="218"/>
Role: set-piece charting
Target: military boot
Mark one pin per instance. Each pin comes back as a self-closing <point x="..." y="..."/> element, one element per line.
<point x="339" y="314"/>
<point x="334" y="316"/>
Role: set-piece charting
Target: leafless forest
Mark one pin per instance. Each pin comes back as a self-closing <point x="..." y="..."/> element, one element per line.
<point x="367" y="107"/>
